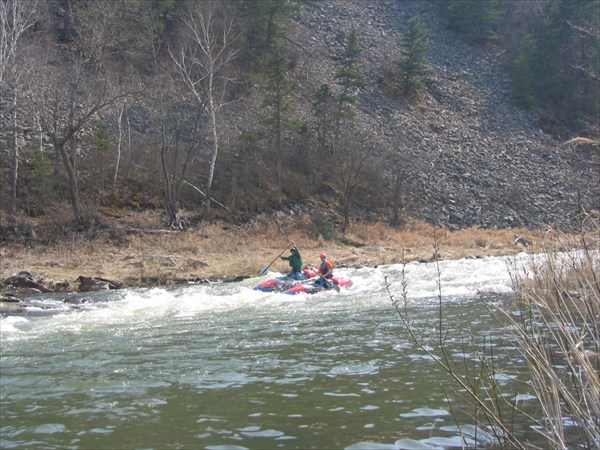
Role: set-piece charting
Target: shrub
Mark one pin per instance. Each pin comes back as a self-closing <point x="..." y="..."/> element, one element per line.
<point x="324" y="226"/>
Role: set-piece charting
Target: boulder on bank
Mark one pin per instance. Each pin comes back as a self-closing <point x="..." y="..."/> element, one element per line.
<point x="24" y="283"/>
<point x="88" y="284"/>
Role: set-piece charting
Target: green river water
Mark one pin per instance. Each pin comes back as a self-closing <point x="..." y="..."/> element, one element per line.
<point x="224" y="366"/>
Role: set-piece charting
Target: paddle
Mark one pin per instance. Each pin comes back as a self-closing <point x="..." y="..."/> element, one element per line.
<point x="335" y="286"/>
<point x="266" y="268"/>
<point x="297" y="282"/>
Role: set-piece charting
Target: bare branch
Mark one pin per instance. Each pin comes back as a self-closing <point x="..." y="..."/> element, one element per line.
<point x="16" y="17"/>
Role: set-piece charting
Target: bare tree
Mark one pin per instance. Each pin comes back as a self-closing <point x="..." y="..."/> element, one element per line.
<point x="80" y="80"/>
<point x="16" y="17"/>
<point x="206" y="49"/>
<point x="178" y="143"/>
<point x="71" y="96"/>
<point x="114" y="38"/>
<point x="351" y="169"/>
<point x="589" y="32"/>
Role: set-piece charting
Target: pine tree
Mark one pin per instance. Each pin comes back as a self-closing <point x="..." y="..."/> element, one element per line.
<point x="523" y="74"/>
<point x="323" y="109"/>
<point x="262" y="19"/>
<point x="276" y="87"/>
<point x="349" y="79"/>
<point x="413" y="61"/>
<point x="557" y="67"/>
<point x="475" y="20"/>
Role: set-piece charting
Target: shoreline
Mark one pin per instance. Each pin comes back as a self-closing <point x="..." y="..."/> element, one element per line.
<point x="219" y="253"/>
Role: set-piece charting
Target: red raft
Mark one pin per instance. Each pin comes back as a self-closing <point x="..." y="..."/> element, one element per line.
<point x="280" y="284"/>
<point x="310" y="287"/>
<point x="288" y="285"/>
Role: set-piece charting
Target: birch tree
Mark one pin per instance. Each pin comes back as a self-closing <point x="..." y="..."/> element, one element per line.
<point x="206" y="50"/>
<point x="16" y="17"/>
<point x="118" y="147"/>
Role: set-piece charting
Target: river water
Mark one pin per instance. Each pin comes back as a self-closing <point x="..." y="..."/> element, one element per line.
<point x="223" y="366"/>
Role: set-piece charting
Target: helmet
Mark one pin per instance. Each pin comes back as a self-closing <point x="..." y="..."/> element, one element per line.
<point x="323" y="255"/>
<point x="293" y="250"/>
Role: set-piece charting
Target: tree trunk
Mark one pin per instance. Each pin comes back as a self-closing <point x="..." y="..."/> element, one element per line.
<point x="346" y="211"/>
<point x="396" y="201"/>
<point x="73" y="184"/>
<point x="14" y="170"/>
<point x="118" y="158"/>
<point x="215" y="145"/>
<point x="278" y="146"/>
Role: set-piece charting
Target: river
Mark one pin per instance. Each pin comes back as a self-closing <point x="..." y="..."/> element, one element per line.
<point x="223" y="366"/>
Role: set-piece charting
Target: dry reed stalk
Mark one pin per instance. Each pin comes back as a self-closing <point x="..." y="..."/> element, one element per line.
<point x="556" y="325"/>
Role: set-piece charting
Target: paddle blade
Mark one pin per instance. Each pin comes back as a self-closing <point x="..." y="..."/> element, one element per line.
<point x="264" y="271"/>
<point x="336" y="287"/>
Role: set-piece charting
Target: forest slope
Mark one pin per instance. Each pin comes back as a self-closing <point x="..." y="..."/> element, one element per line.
<point x="463" y="155"/>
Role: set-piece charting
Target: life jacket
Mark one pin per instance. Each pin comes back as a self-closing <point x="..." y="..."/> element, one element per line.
<point x="296" y="262"/>
<point x="325" y="267"/>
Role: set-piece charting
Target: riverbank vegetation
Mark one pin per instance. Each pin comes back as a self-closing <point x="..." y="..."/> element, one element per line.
<point x="553" y="321"/>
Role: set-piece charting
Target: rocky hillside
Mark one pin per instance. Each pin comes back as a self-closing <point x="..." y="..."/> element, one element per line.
<point x="471" y="156"/>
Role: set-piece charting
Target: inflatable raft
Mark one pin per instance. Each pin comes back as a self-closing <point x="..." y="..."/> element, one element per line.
<point x="289" y="285"/>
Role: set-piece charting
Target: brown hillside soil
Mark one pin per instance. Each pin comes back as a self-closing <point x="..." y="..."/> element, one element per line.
<point x="157" y="256"/>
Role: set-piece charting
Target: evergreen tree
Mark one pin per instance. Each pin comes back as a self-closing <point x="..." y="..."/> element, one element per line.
<point x="413" y="61"/>
<point x="323" y="109"/>
<point x="560" y="62"/>
<point x="522" y="76"/>
<point x="351" y="157"/>
<point x="475" y="20"/>
<point x="349" y="79"/>
<point x="276" y="87"/>
<point x="164" y="13"/>
<point x="262" y="19"/>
